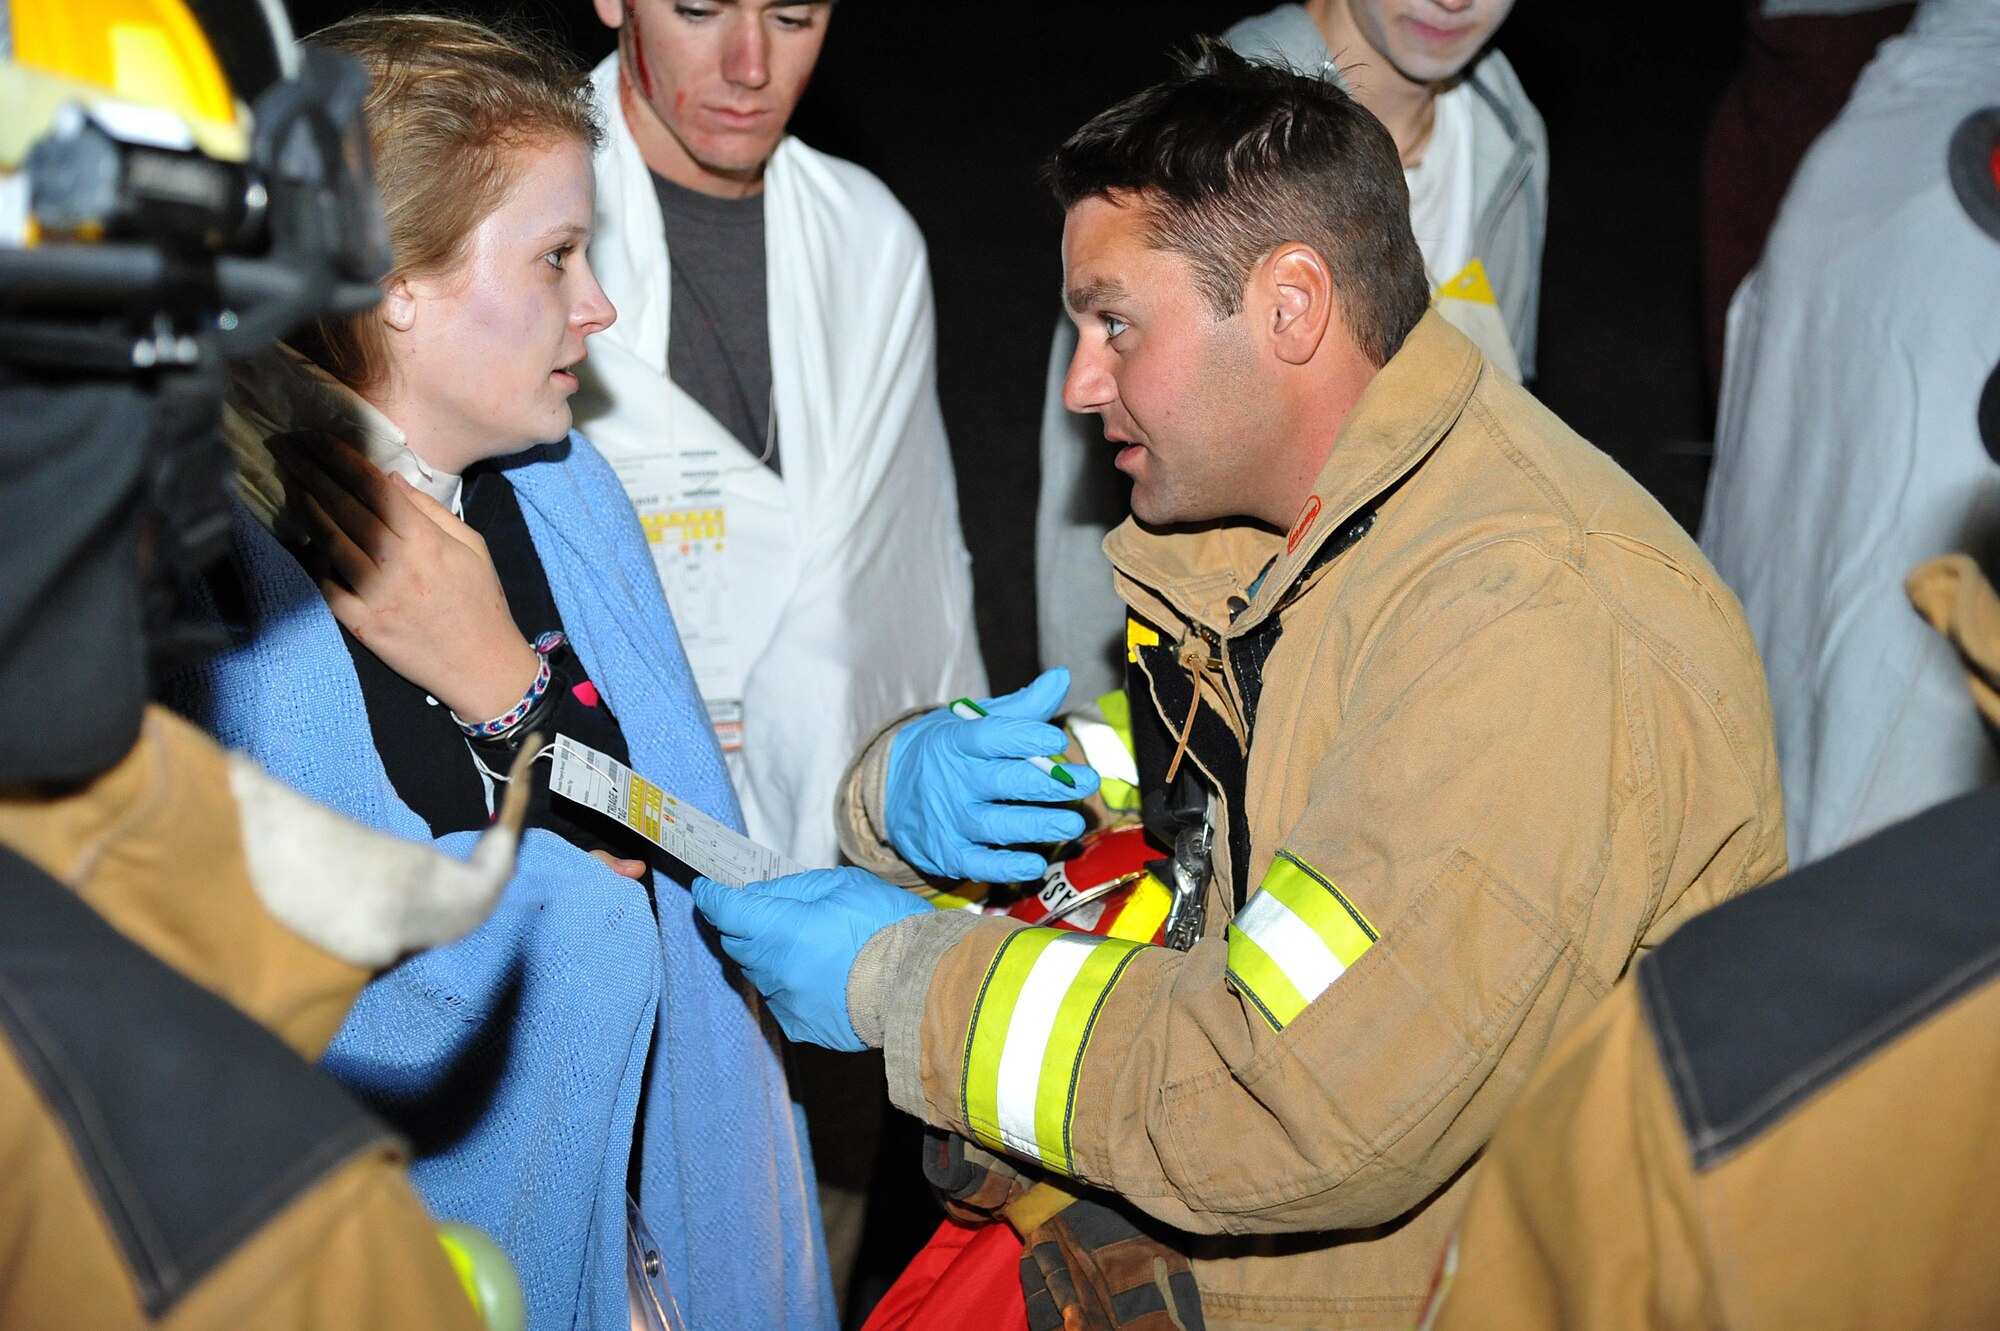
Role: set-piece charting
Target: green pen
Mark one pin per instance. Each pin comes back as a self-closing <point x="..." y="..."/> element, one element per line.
<point x="967" y="710"/>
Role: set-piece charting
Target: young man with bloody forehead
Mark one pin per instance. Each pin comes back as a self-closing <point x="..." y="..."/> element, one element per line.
<point x="1456" y="715"/>
<point x="769" y="398"/>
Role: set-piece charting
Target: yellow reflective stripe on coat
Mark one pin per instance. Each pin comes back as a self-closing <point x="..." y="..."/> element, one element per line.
<point x="1029" y="1031"/>
<point x="1296" y="936"/>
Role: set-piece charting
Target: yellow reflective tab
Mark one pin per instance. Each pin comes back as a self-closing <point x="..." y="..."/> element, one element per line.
<point x="1062" y="1059"/>
<point x="1107" y="746"/>
<point x="1344" y="930"/>
<point x="1117" y="708"/>
<point x="1262" y="980"/>
<point x="486" y="1274"/>
<point x="461" y="1266"/>
<point x="1138" y="635"/>
<point x="1119" y="796"/>
<point x="1295" y="936"/>
<point x="986" y="1039"/>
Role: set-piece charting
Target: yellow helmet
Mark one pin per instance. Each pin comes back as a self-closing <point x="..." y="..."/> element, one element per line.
<point x="149" y="57"/>
<point x="145" y="141"/>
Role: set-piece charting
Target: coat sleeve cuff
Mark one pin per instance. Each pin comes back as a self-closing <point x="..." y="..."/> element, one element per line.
<point x="863" y="791"/>
<point x="886" y="992"/>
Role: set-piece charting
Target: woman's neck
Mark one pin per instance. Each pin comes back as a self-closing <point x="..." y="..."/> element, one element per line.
<point x="412" y="451"/>
<point x="423" y="439"/>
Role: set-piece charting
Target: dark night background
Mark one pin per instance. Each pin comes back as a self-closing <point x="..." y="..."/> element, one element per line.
<point x="955" y="106"/>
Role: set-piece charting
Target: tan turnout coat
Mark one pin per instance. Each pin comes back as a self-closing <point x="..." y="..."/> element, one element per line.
<point x="1514" y="733"/>
<point x="1858" y="1187"/>
<point x="155" y="847"/>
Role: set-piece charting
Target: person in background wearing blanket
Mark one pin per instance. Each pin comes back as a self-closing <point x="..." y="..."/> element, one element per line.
<point x="769" y="398"/>
<point x="478" y="583"/>
<point x="1857" y="437"/>
<point x="1476" y="160"/>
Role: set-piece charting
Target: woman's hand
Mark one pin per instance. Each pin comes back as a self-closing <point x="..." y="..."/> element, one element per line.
<point x="413" y="583"/>
<point x="634" y="869"/>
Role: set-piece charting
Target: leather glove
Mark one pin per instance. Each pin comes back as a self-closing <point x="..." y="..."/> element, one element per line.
<point x="948" y="778"/>
<point x="1090" y="1267"/>
<point x="797" y="937"/>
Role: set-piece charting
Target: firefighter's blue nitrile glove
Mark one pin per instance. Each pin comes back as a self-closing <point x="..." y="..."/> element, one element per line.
<point x="950" y="780"/>
<point x="797" y="937"/>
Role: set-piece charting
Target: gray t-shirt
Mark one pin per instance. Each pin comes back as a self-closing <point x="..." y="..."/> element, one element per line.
<point x="719" y="338"/>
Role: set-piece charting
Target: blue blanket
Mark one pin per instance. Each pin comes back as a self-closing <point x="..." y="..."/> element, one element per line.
<point x="519" y="1059"/>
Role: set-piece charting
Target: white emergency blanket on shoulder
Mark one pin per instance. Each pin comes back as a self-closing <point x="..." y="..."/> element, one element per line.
<point x="839" y="594"/>
<point x="1848" y="450"/>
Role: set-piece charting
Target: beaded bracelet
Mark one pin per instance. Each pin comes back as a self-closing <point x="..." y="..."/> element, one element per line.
<point x="507" y="720"/>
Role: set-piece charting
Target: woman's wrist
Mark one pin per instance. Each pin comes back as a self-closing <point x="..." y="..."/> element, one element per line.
<point x="497" y="690"/>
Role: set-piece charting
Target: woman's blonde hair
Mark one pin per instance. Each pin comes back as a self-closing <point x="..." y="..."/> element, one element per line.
<point x="448" y="101"/>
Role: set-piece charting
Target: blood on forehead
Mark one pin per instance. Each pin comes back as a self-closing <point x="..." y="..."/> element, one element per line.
<point x="636" y="38"/>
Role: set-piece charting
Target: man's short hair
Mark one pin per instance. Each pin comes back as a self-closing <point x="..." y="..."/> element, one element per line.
<point x="1231" y="159"/>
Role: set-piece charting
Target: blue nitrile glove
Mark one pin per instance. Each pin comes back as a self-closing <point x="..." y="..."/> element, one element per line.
<point x="948" y="776"/>
<point x="797" y="937"/>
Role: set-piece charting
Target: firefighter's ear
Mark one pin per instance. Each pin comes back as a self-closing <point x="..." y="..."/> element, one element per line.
<point x="1296" y="290"/>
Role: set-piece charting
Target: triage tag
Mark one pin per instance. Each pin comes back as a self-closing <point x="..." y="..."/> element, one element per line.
<point x="686" y="520"/>
<point x="601" y="782"/>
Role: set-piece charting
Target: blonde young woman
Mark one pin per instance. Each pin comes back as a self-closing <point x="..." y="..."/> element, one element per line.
<point x="431" y="566"/>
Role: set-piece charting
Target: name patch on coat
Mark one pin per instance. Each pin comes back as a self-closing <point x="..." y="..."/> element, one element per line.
<point x="1308" y="514"/>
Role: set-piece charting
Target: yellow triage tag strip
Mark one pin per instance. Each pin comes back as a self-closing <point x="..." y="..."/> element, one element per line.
<point x="685" y="527"/>
<point x="599" y="781"/>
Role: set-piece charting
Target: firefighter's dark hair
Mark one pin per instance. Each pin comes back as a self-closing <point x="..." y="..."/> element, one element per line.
<point x="1230" y="159"/>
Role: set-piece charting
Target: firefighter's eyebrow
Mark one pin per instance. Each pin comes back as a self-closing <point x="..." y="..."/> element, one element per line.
<point x="1093" y="293"/>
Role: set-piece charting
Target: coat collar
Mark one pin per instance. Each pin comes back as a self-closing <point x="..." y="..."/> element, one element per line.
<point x="1409" y="405"/>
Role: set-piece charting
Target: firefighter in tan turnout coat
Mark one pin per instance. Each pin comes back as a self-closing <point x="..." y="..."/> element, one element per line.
<point x="1462" y="718"/>
<point x="1785" y="1117"/>
<point x="180" y="932"/>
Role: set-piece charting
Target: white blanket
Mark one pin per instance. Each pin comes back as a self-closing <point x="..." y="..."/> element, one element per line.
<point x="1848" y="451"/>
<point x="841" y="593"/>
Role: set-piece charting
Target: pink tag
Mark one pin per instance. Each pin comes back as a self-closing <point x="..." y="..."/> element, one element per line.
<point x="586" y="693"/>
